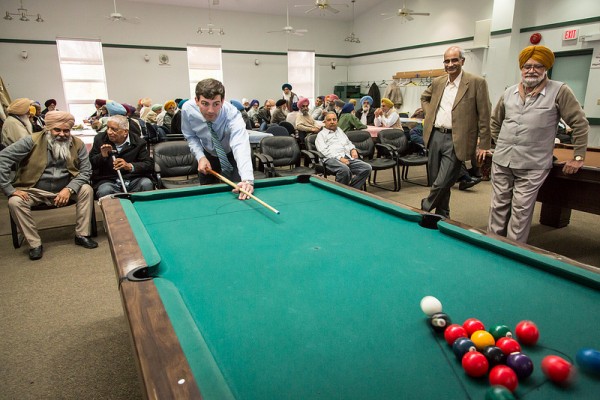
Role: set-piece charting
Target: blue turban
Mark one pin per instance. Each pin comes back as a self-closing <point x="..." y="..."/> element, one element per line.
<point x="348" y="108"/>
<point x="286" y="85"/>
<point x="181" y="103"/>
<point x="115" y="108"/>
<point x="237" y="104"/>
<point x="253" y="102"/>
<point x="366" y="98"/>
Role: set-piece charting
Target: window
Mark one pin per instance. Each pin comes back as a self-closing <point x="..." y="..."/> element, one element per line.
<point x="204" y="62"/>
<point x="301" y="73"/>
<point x="83" y="76"/>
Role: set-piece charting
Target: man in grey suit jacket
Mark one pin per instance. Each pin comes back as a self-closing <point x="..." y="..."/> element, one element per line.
<point x="457" y="112"/>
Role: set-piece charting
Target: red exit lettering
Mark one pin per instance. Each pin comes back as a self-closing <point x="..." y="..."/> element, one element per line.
<point x="570" y="34"/>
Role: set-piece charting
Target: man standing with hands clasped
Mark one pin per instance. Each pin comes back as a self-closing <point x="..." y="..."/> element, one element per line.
<point x="524" y="127"/>
<point x="217" y="136"/>
<point x="457" y="111"/>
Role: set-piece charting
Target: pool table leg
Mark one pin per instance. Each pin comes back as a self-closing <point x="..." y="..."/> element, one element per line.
<point x="555" y="216"/>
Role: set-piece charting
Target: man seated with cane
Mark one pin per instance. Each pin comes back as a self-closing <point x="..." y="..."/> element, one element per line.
<point x="120" y="160"/>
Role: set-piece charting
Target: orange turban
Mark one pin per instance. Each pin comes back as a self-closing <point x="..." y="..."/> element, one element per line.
<point x="19" y="106"/>
<point x="32" y="110"/>
<point x="56" y="118"/>
<point x="387" y="102"/>
<point x="541" y="54"/>
<point x="170" y="103"/>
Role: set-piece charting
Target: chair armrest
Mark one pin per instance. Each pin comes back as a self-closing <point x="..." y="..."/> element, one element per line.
<point x="267" y="163"/>
<point x="311" y="156"/>
<point x="384" y="149"/>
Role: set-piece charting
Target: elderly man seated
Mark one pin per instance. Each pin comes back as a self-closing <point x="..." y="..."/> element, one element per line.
<point x="17" y="124"/>
<point x="131" y="158"/>
<point x="387" y="116"/>
<point x="341" y="157"/>
<point x="366" y="113"/>
<point x="53" y="168"/>
<point x="305" y="123"/>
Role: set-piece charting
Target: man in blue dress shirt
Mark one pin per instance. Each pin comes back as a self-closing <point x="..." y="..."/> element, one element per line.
<point x="217" y="136"/>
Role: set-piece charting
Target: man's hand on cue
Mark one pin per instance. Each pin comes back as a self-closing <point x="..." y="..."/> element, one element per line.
<point x="204" y="165"/>
<point x="248" y="187"/>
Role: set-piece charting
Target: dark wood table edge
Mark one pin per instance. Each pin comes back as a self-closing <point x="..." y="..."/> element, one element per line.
<point x="160" y="360"/>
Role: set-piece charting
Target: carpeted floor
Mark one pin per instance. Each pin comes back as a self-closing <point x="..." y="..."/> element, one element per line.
<point x="62" y="326"/>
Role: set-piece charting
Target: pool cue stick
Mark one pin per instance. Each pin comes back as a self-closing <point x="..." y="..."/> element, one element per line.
<point x="233" y="185"/>
<point x="119" y="172"/>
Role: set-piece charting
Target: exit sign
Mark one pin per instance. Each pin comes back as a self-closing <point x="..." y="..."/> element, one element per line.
<point x="570" y="34"/>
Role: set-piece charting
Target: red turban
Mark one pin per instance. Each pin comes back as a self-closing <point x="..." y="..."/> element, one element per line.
<point x="303" y="101"/>
<point x="56" y="118"/>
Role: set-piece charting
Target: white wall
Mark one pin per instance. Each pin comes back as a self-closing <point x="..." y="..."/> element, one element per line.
<point x="130" y="78"/>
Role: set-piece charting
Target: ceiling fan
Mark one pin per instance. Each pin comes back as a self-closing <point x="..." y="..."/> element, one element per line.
<point x="118" y="17"/>
<point x="322" y="5"/>
<point x="288" y="29"/>
<point x="404" y="13"/>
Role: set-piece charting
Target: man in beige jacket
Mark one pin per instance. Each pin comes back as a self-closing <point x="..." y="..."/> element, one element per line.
<point x="457" y="113"/>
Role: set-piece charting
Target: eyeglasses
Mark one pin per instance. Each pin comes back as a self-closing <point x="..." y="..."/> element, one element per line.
<point x="452" y="60"/>
<point x="58" y="130"/>
<point x="537" y="67"/>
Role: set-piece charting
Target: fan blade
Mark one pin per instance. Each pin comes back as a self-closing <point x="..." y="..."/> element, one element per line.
<point x="298" y="33"/>
<point x="408" y="17"/>
<point x="275" y="31"/>
<point x="385" y="19"/>
<point x="301" y="30"/>
<point x="332" y="10"/>
<point x="303" y="5"/>
<point x="384" y="14"/>
<point x="414" y="13"/>
<point x="311" y="9"/>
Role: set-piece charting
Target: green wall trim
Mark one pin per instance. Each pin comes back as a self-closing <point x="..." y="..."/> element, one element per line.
<point x="131" y="46"/>
<point x="52" y="42"/>
<point x="570" y="53"/>
<point x="501" y="32"/>
<point x="417" y="46"/>
<point x="258" y="53"/>
<point x="560" y="24"/>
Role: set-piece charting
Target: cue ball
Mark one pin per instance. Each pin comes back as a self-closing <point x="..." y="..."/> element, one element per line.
<point x="589" y="360"/>
<point x="430" y="305"/>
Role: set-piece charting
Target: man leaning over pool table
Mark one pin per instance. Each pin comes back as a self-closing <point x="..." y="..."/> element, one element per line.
<point x="217" y="136"/>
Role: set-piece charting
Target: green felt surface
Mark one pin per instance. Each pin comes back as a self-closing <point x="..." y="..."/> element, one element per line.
<point x="322" y="301"/>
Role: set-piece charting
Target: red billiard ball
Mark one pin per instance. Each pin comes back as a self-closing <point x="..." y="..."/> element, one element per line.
<point x="558" y="370"/>
<point x="504" y="376"/>
<point x="453" y="332"/>
<point x="508" y="345"/>
<point x="473" y="324"/>
<point x="527" y="333"/>
<point x="475" y="364"/>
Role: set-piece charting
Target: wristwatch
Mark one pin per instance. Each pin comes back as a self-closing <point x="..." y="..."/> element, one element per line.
<point x="578" y="158"/>
<point x="71" y="190"/>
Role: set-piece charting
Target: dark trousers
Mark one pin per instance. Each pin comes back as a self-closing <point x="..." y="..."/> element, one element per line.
<point x="444" y="170"/>
<point x="216" y="166"/>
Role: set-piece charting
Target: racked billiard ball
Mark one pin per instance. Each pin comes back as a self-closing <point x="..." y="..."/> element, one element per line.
<point x="462" y="346"/>
<point x="454" y="332"/>
<point x="508" y="345"/>
<point x="521" y="364"/>
<point x="440" y="321"/>
<point x="482" y="339"/>
<point x="495" y="355"/>
<point x="498" y="392"/>
<point x="473" y="324"/>
<point x="500" y="331"/>
<point x="475" y="364"/>
<point x="504" y="376"/>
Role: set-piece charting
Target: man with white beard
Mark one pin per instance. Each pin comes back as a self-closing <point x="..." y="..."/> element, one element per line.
<point x="53" y="169"/>
<point x="524" y="127"/>
<point x="17" y="124"/>
<point x="366" y="113"/>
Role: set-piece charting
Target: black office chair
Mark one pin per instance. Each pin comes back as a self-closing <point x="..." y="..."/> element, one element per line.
<point x="289" y="127"/>
<point x="393" y="143"/>
<point x="17" y="239"/>
<point x="319" y="160"/>
<point x="175" y="165"/>
<point x="277" y="152"/>
<point x="277" y="130"/>
<point x="366" y="149"/>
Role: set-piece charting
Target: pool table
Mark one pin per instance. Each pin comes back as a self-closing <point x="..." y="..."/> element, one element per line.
<point x="561" y="193"/>
<point x="228" y="300"/>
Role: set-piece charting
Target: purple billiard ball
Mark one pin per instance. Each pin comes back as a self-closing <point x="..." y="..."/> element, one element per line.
<point x="521" y="364"/>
